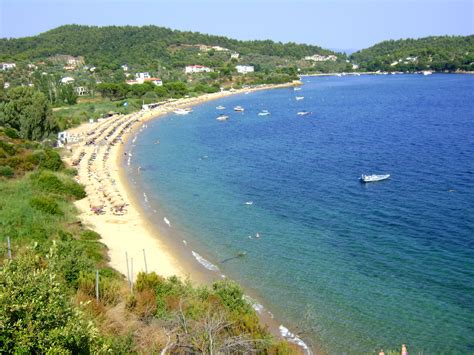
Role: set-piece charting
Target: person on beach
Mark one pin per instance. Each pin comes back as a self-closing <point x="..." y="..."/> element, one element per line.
<point x="404" y="350"/>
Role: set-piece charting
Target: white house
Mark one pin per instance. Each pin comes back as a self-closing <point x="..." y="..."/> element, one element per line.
<point x="80" y="90"/>
<point x="321" y="58"/>
<point x="6" y="66"/>
<point x="197" y="69"/>
<point x="67" y="80"/>
<point x="234" y="55"/>
<point x="142" y="76"/>
<point x="124" y="67"/>
<point x="244" y="69"/>
<point x="156" y="81"/>
<point x="220" y="49"/>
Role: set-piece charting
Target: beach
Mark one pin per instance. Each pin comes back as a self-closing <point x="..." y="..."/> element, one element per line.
<point x="96" y="150"/>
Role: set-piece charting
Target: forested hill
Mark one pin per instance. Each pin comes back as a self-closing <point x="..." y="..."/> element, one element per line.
<point x="137" y="45"/>
<point x="436" y="53"/>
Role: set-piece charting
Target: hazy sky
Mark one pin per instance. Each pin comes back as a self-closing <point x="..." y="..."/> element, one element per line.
<point x="340" y="24"/>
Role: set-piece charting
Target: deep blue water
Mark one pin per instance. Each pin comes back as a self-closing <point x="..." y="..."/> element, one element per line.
<point x="354" y="267"/>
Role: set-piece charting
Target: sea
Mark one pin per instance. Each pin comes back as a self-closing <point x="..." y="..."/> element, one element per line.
<point x="275" y="203"/>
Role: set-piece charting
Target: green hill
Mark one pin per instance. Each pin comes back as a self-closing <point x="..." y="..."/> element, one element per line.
<point x="442" y="53"/>
<point x="138" y="46"/>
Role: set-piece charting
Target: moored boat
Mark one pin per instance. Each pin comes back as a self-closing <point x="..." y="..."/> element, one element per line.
<point x="374" y="178"/>
<point x="222" y="118"/>
<point x="220" y="107"/>
<point x="303" y="113"/>
<point x="264" y="113"/>
<point x="238" y="108"/>
<point x="183" y="111"/>
<point x="298" y="98"/>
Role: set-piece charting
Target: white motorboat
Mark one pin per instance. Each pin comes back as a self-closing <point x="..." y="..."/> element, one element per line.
<point x="297" y="89"/>
<point x="183" y="111"/>
<point x="222" y="118"/>
<point x="374" y="178"/>
<point x="264" y="113"/>
<point x="220" y="107"/>
<point x="298" y="98"/>
<point x="238" y="108"/>
<point x="427" y="72"/>
<point x="303" y="113"/>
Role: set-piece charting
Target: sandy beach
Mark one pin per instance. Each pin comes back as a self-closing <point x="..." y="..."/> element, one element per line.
<point x="96" y="151"/>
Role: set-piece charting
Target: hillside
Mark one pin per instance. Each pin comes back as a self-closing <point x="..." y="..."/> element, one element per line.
<point x="444" y="53"/>
<point x="138" y="45"/>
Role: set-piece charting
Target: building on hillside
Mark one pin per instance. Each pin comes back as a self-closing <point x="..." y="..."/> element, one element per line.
<point x="142" y="76"/>
<point x="197" y="69"/>
<point x="220" y="49"/>
<point x="124" y="67"/>
<point x="7" y="66"/>
<point x="355" y="66"/>
<point x="244" y="69"/>
<point x="234" y="55"/>
<point x="32" y="66"/>
<point x="6" y="85"/>
<point x="321" y="58"/>
<point x="81" y="90"/>
<point x="67" y="80"/>
<point x="156" y="81"/>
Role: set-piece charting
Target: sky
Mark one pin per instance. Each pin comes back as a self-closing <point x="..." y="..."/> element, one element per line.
<point x="334" y="24"/>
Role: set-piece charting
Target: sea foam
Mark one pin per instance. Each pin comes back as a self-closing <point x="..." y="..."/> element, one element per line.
<point x="206" y="263"/>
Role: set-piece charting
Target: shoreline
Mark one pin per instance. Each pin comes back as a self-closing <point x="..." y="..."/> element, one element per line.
<point x="134" y="243"/>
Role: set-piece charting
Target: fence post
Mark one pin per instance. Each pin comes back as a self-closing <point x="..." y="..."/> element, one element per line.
<point x="131" y="274"/>
<point x="97" y="285"/>
<point x="128" y="271"/>
<point x="9" y="248"/>
<point x="144" y="258"/>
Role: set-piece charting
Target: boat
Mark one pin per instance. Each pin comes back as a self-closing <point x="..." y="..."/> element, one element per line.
<point x="264" y="113"/>
<point x="298" y="98"/>
<point x="220" y="107"/>
<point x="296" y="89"/>
<point x="238" y="108"/>
<point x="373" y="178"/>
<point x="182" y="111"/>
<point x="427" y="72"/>
<point x="303" y="113"/>
<point x="222" y="118"/>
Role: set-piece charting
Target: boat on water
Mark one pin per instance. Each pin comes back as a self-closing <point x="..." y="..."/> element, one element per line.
<point x="222" y="118"/>
<point x="303" y="113"/>
<point x="238" y="108"/>
<point x="298" y="98"/>
<point x="264" y="113"/>
<point x="427" y="72"/>
<point x="220" y="107"/>
<point x="183" y="111"/>
<point x="296" y="89"/>
<point x="373" y="178"/>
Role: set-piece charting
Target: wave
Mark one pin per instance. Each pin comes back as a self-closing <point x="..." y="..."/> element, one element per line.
<point x="292" y="338"/>
<point x="206" y="263"/>
<point x="255" y="305"/>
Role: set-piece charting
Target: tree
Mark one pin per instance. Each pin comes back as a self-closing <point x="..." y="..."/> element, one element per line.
<point x="28" y="111"/>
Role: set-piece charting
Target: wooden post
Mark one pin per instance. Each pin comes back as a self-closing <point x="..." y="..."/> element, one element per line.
<point x="131" y="274"/>
<point x="97" y="285"/>
<point x="128" y="271"/>
<point x="9" y="248"/>
<point x="144" y="258"/>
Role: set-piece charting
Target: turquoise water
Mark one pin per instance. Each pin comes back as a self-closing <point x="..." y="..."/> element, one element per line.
<point x="349" y="266"/>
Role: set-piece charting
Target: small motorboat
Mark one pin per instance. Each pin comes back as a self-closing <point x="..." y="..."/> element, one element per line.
<point x="220" y="107"/>
<point x="297" y="89"/>
<point x="373" y="178"/>
<point x="183" y="111"/>
<point x="222" y="118"/>
<point x="238" y="108"/>
<point x="298" y="98"/>
<point x="264" y="113"/>
<point x="303" y="113"/>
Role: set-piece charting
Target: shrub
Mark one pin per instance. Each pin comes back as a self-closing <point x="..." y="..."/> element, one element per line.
<point x="90" y="235"/>
<point x="46" y="204"/>
<point x="6" y="171"/>
<point x="231" y="296"/>
<point x="53" y="160"/>
<point x="149" y="281"/>
<point x="7" y="147"/>
<point x="11" y="133"/>
<point x="50" y="182"/>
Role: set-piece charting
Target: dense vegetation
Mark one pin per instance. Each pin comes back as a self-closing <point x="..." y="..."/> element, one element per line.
<point x="47" y="294"/>
<point x="445" y="53"/>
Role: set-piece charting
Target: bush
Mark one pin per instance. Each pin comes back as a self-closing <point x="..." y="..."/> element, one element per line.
<point x="11" y="133"/>
<point x="7" y="147"/>
<point x="6" y="171"/>
<point x="231" y="296"/>
<point x="49" y="182"/>
<point x="53" y="160"/>
<point x="46" y="204"/>
<point x="90" y="235"/>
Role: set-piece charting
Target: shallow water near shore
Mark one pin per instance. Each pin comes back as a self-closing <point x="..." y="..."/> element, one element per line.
<point x="353" y="267"/>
